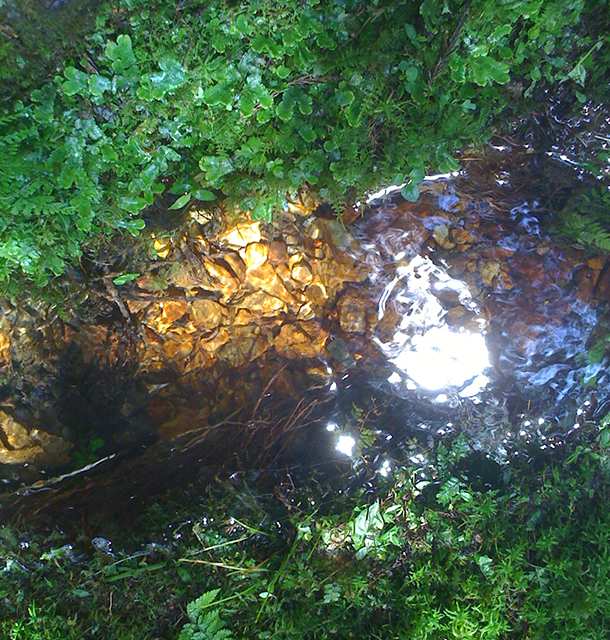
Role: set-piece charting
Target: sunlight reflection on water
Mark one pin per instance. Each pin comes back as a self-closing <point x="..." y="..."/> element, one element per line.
<point x="427" y="353"/>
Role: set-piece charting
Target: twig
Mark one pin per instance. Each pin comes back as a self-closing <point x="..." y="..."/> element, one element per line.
<point x="442" y="61"/>
<point x="113" y="291"/>
<point x="273" y="379"/>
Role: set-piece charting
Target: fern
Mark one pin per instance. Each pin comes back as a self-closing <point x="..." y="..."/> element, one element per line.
<point x="587" y="219"/>
<point x="205" y="623"/>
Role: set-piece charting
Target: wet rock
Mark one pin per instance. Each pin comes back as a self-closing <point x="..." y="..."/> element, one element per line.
<point x="463" y="237"/>
<point x="585" y="286"/>
<point x="264" y="278"/>
<point x="316" y="293"/>
<point x="151" y="283"/>
<point x="301" y="272"/>
<point x="352" y="308"/>
<point x="334" y="276"/>
<point x="285" y="274"/>
<point x="171" y="311"/>
<point x="298" y="209"/>
<point x="244" y="346"/>
<point x="242" y="234"/>
<point x="339" y="351"/>
<point x="254" y="255"/>
<point x="496" y="252"/>
<point x="236" y="264"/>
<point x="176" y="349"/>
<point x="186" y="419"/>
<point x="217" y="339"/>
<point x="442" y="237"/>
<point x="181" y="276"/>
<point x="206" y="314"/>
<point x="386" y="325"/>
<point x="306" y="312"/>
<point x="602" y="288"/>
<point x="5" y="345"/>
<point x="222" y="278"/>
<point x="261" y="303"/>
<point x="488" y="271"/>
<point x="91" y="340"/>
<point x="595" y="264"/>
<point x="162" y="247"/>
<point x="18" y="445"/>
<point x="278" y="253"/>
<point x="505" y="281"/>
<point x="301" y="340"/>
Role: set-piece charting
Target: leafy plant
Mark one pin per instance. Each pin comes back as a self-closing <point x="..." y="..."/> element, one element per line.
<point x="205" y="622"/>
<point x="244" y="104"/>
<point x="586" y="218"/>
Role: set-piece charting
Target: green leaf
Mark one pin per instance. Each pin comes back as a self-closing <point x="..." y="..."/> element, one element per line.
<point x="411" y="74"/>
<point x="215" y="167"/>
<point x="204" y="195"/>
<point x="259" y="44"/>
<point x="345" y="98"/>
<point x="99" y="84"/>
<point x="578" y="74"/>
<point x="217" y="95"/>
<point x="243" y="26"/>
<point x="265" y="99"/>
<point x="181" y="202"/>
<point x="410" y="192"/>
<point x="262" y="210"/>
<point x="324" y="41"/>
<point x="77" y="82"/>
<point x="307" y="133"/>
<point x="121" y="53"/>
<point x="485" y="565"/>
<point x="285" y="110"/>
<point x="109" y="154"/>
<point x="132" y="226"/>
<point x="132" y="204"/>
<point x="485" y="70"/>
<point x="263" y="116"/>
<point x="246" y="106"/>
<point x="598" y="351"/>
<point x="417" y="175"/>
<point x="263" y="44"/>
<point x="126" y="277"/>
<point x="305" y="104"/>
<point x="46" y="98"/>
<point x="173" y="76"/>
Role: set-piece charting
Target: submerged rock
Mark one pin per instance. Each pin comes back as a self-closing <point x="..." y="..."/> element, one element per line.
<point x="19" y="445"/>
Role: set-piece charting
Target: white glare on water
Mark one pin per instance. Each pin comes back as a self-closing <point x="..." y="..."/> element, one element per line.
<point x="431" y="354"/>
<point x="385" y="468"/>
<point x="346" y="445"/>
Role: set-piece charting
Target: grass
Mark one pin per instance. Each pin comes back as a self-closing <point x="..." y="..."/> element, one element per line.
<point x="441" y="556"/>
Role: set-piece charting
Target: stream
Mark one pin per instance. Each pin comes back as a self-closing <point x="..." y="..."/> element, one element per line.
<point x="308" y="342"/>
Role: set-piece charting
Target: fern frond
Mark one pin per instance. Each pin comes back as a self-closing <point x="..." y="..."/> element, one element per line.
<point x="206" y="623"/>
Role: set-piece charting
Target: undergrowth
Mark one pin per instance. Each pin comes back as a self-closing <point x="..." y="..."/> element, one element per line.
<point x="431" y="552"/>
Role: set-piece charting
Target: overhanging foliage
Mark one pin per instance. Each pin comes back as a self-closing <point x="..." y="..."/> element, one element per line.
<point x="246" y="102"/>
